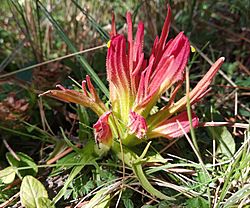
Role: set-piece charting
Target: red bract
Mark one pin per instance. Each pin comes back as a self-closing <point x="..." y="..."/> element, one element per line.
<point x="138" y="81"/>
<point x="102" y="130"/>
<point x="137" y="125"/>
<point x="170" y="128"/>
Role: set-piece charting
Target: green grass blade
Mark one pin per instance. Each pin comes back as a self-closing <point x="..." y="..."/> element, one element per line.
<point x="12" y="55"/>
<point x="20" y="10"/>
<point x="73" y="49"/>
<point x="12" y="131"/>
<point x="240" y="194"/>
<point x="69" y="143"/>
<point x="98" y="28"/>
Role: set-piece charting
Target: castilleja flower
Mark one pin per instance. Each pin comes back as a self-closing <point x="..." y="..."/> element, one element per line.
<point x="137" y="83"/>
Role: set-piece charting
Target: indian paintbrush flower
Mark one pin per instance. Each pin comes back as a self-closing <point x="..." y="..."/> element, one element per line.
<point x="137" y="83"/>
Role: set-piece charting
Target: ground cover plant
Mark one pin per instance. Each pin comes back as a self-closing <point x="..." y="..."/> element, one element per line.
<point x="152" y="124"/>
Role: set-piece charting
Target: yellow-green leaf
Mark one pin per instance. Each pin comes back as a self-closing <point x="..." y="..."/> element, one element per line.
<point x="7" y="175"/>
<point x="44" y="202"/>
<point x="31" y="190"/>
<point x="226" y="144"/>
<point x="100" y="200"/>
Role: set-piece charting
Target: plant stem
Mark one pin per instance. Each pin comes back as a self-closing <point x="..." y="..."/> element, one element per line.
<point x="189" y="113"/>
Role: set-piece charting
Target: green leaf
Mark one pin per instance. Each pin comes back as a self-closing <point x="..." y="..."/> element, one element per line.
<point x="243" y="83"/>
<point x="84" y="122"/>
<point x="60" y="146"/>
<point x="197" y="202"/>
<point x="137" y="169"/>
<point x="134" y="161"/>
<point x="69" y="143"/>
<point x="156" y="158"/>
<point x="7" y="175"/>
<point x="31" y="190"/>
<point x="92" y="21"/>
<point x="25" y="162"/>
<point x="226" y="143"/>
<point x="65" y="163"/>
<point x="128" y="203"/>
<point x="30" y="128"/>
<point x="44" y="202"/>
<point x="22" y="134"/>
<point x="202" y="178"/>
<point x="126" y="198"/>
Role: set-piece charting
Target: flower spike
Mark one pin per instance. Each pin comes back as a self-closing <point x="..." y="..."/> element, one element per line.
<point x="137" y="83"/>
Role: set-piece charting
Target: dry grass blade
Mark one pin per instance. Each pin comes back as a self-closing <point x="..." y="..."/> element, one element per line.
<point x="53" y="60"/>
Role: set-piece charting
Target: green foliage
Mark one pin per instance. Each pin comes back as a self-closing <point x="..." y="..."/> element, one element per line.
<point x="44" y="202"/>
<point x="244" y="192"/>
<point x="127" y="195"/>
<point x="197" y="202"/>
<point x="87" y="157"/>
<point x="80" y="187"/>
<point x="65" y="163"/>
<point x="100" y="200"/>
<point x="226" y="146"/>
<point x="82" y="60"/>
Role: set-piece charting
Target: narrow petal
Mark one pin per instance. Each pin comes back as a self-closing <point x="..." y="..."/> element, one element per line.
<point x="201" y="88"/>
<point x="174" y="93"/>
<point x="180" y="49"/>
<point x="154" y="48"/>
<point x="170" y="128"/>
<point x="199" y="91"/>
<point x="161" y="75"/>
<point x="152" y="86"/>
<point x="113" y="26"/>
<point x="136" y="75"/>
<point x="137" y="59"/>
<point x="164" y="35"/>
<point x="130" y="41"/>
<point x="138" y="44"/>
<point x="119" y="77"/>
<point x="92" y="89"/>
<point x="117" y="65"/>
